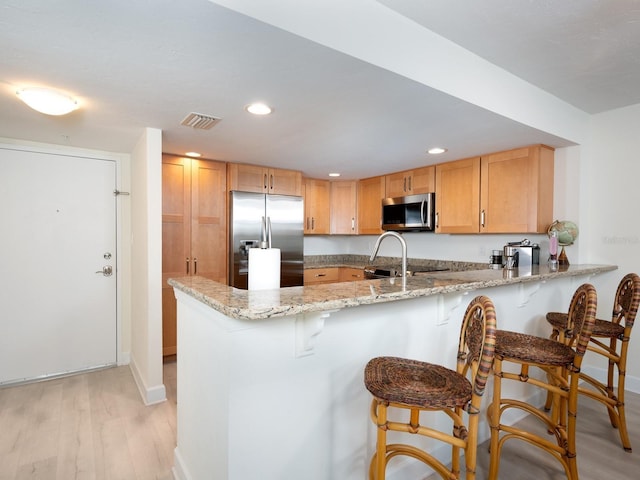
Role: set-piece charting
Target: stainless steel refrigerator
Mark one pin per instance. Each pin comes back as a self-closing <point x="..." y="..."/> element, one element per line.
<point x="249" y="215"/>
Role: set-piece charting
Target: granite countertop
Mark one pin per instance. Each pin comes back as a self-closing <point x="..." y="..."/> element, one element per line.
<point x="255" y="305"/>
<point x="362" y="261"/>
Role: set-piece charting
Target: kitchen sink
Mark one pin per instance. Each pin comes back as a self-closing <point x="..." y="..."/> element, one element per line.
<point x="387" y="272"/>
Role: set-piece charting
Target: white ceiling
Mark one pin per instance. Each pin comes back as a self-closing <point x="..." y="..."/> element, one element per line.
<point x="148" y="63"/>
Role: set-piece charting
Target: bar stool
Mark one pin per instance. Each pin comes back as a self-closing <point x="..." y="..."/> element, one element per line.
<point x="625" y="307"/>
<point x="413" y="387"/>
<point x="560" y="364"/>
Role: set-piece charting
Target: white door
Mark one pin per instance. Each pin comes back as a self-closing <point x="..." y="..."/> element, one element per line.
<point x="58" y="233"/>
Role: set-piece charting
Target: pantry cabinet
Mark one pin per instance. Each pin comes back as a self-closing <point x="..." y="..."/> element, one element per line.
<point x="343" y="208"/>
<point x="317" y="208"/>
<point x="254" y="178"/>
<point x="193" y="229"/>
<point x="371" y="191"/>
<point x="410" y="182"/>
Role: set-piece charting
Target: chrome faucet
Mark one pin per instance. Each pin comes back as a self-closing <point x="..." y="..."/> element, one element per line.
<point x="404" y="252"/>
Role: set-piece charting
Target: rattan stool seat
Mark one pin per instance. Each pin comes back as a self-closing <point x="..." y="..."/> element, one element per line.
<point x="602" y="328"/>
<point x="532" y="349"/>
<point x="414" y="383"/>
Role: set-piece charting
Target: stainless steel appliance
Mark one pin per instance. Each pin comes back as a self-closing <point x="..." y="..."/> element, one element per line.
<point x="409" y="213"/>
<point x="248" y="212"/>
<point x="522" y="254"/>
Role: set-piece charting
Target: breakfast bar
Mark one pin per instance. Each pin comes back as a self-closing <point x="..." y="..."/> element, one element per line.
<point x="270" y="382"/>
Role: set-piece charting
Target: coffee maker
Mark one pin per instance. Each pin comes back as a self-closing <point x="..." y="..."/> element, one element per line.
<point x="523" y="254"/>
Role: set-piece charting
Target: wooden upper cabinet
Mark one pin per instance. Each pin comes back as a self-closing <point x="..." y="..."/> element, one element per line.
<point x="254" y="178"/>
<point x="517" y="190"/>
<point x="371" y="191"/>
<point x="317" y="208"/>
<point x="343" y="208"/>
<point x="410" y="182"/>
<point x="458" y="196"/>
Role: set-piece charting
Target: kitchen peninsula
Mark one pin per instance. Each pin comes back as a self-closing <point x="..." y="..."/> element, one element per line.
<point x="270" y="382"/>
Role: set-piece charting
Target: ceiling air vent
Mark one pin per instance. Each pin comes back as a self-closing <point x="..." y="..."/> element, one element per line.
<point x="199" y="121"/>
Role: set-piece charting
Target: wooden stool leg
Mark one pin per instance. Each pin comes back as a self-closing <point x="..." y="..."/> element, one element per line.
<point x="493" y="414"/>
<point x="621" y="418"/>
<point x="379" y="461"/>
<point x="470" y="455"/>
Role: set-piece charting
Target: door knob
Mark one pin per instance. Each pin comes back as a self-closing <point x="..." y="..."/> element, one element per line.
<point x="107" y="271"/>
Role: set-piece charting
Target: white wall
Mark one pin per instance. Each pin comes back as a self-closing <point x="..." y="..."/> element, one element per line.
<point x="610" y="231"/>
<point x="146" y="266"/>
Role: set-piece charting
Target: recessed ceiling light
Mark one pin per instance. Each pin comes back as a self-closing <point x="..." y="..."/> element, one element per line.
<point x="259" y="109"/>
<point x="193" y="154"/>
<point x="436" y="150"/>
<point x="335" y="174"/>
<point x="47" y="101"/>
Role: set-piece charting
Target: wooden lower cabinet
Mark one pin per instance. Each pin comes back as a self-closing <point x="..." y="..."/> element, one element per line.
<point x="348" y="274"/>
<point x="194" y="234"/>
<point x="316" y="276"/>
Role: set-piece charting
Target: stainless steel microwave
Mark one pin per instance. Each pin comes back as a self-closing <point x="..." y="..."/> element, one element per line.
<point x="410" y="213"/>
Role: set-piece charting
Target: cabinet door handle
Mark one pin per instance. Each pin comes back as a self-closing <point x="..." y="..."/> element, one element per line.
<point x="321" y="274"/>
<point x="409" y="189"/>
<point x="404" y="184"/>
<point x="313" y="223"/>
<point x="307" y="223"/>
<point x="271" y="181"/>
<point x="187" y="265"/>
<point x="437" y="219"/>
<point x="482" y="215"/>
<point x="265" y="181"/>
<point x="353" y="223"/>
<point x="195" y="266"/>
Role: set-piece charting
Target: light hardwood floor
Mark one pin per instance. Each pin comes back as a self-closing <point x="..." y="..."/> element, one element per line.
<point x="91" y="426"/>
<point x="600" y="454"/>
<point x="94" y="426"/>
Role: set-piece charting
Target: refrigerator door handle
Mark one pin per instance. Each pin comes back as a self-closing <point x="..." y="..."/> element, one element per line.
<point x="263" y="231"/>
<point x="268" y="232"/>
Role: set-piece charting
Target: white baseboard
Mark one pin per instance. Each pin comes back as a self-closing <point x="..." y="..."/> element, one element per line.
<point x="179" y="470"/>
<point x="150" y="395"/>
<point x="631" y="384"/>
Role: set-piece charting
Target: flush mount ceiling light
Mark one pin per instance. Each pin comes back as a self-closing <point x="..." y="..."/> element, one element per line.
<point x="47" y="101"/>
<point x="258" y="109"/>
<point x="193" y="154"/>
<point x="334" y="174"/>
<point x="436" y="150"/>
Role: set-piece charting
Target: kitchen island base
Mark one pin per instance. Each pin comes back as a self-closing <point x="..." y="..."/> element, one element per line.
<point x="283" y="397"/>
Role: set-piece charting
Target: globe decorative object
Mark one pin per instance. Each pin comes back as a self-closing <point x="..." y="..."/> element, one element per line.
<point x="567" y="233"/>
